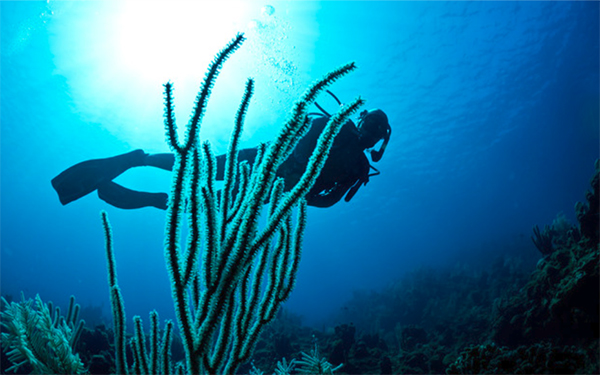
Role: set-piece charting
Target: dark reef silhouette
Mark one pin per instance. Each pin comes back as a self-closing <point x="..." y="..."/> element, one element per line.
<point x="506" y="319"/>
<point x="511" y="317"/>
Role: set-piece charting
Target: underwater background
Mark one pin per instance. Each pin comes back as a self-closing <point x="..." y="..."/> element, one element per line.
<point x="494" y="108"/>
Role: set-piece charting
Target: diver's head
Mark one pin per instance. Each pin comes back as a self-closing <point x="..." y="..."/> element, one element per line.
<point x="373" y="126"/>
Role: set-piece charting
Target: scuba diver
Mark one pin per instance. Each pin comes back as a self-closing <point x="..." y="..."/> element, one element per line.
<point x="347" y="168"/>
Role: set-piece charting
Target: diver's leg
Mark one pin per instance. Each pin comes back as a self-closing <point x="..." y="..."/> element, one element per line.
<point x="85" y="177"/>
<point x="122" y="197"/>
<point x="162" y="161"/>
<point x="248" y="154"/>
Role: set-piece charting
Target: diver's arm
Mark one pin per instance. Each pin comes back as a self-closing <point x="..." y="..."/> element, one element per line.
<point x="328" y="196"/>
<point x="354" y="189"/>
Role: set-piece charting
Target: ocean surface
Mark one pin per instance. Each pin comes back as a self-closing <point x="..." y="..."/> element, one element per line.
<point x="494" y="108"/>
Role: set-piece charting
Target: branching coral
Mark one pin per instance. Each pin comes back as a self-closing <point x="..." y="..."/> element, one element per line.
<point x="554" y="236"/>
<point x="42" y="339"/>
<point x="314" y="364"/>
<point x="543" y="239"/>
<point x="231" y="279"/>
<point x="310" y="364"/>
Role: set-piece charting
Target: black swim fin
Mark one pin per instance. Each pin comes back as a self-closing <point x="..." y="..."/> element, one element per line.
<point x="85" y="177"/>
<point x="121" y="197"/>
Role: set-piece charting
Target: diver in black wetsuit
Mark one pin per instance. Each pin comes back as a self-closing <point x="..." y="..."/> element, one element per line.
<point x="347" y="168"/>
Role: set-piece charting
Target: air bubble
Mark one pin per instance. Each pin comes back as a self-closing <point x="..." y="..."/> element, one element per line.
<point x="268" y="10"/>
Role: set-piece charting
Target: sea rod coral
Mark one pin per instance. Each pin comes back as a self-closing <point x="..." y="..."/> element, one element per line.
<point x="233" y="275"/>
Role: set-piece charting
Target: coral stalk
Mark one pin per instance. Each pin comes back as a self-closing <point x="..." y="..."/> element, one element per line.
<point x="233" y="276"/>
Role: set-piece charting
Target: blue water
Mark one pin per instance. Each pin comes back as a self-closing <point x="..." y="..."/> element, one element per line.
<point x="494" y="108"/>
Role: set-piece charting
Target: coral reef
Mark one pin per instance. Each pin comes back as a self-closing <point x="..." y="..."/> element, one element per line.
<point x="541" y="358"/>
<point x="507" y="317"/>
<point x="554" y="236"/>
<point x="587" y="213"/>
<point x="560" y="301"/>
<point x="420" y="325"/>
<point x="310" y="364"/>
<point x="96" y="350"/>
